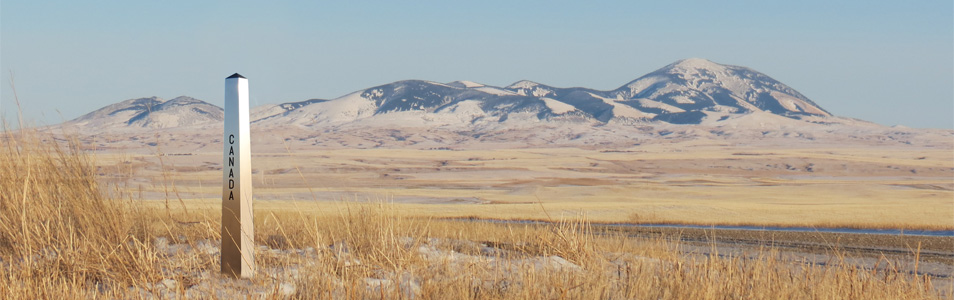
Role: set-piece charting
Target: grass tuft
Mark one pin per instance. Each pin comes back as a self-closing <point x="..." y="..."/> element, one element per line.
<point x="64" y="235"/>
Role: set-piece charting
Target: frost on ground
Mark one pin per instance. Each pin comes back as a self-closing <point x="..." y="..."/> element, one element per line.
<point x="285" y="272"/>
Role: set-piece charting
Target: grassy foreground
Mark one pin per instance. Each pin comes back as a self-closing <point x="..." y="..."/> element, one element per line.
<point x="63" y="235"/>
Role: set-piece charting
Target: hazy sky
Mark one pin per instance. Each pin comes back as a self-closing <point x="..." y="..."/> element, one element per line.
<point x="891" y="62"/>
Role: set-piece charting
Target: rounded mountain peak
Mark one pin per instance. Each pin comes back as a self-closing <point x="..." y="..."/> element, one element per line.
<point x="465" y="84"/>
<point x="184" y="99"/>
<point x="523" y="84"/>
<point x="695" y="64"/>
<point x="696" y="83"/>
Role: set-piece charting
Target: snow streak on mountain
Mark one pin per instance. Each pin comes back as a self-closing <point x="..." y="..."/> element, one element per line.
<point x="151" y="112"/>
<point x="691" y="91"/>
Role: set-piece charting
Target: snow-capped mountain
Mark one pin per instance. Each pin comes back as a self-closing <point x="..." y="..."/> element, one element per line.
<point x="686" y="92"/>
<point x="153" y="112"/>
<point x="691" y="91"/>
<point x="690" y="100"/>
<point x="699" y="85"/>
<point x="416" y="102"/>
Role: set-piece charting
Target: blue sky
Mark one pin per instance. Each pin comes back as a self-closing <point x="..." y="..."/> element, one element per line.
<point x="882" y="61"/>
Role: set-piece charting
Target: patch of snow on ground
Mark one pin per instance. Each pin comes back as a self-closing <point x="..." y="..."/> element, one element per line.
<point x="625" y="111"/>
<point x="466" y="84"/>
<point x="344" y="109"/>
<point x="558" y="107"/>
<point x="643" y="83"/>
<point x="523" y="84"/>
<point x="495" y="91"/>
<point x="660" y="105"/>
<point x="796" y="105"/>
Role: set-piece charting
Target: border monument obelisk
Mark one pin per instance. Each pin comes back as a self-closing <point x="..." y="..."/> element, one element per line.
<point x="237" y="230"/>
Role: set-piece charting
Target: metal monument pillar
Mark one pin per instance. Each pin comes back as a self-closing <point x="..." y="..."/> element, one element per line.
<point x="237" y="229"/>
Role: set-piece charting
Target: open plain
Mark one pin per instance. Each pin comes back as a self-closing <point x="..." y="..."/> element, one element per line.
<point x="480" y="220"/>
<point x="477" y="150"/>
<point x="690" y="182"/>
<point x="354" y="198"/>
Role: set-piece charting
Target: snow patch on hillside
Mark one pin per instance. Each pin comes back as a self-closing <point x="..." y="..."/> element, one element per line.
<point x="523" y="84"/>
<point x="659" y="105"/>
<point x="495" y="91"/>
<point x="348" y="108"/>
<point x="558" y="107"/>
<point x="465" y="84"/>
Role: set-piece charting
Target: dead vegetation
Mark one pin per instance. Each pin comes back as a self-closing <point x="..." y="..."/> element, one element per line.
<point x="64" y="235"/>
<point x="850" y="187"/>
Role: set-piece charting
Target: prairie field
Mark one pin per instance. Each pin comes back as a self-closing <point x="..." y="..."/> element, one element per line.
<point x="686" y="183"/>
<point x="380" y="223"/>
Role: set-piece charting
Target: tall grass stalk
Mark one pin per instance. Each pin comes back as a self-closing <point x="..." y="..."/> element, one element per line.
<point x="58" y="229"/>
<point x="63" y="236"/>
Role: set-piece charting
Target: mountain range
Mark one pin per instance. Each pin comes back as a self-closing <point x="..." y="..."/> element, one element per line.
<point x="680" y="97"/>
<point x="685" y="92"/>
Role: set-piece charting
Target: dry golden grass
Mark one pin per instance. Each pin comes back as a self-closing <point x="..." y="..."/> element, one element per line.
<point x="682" y="184"/>
<point x="63" y="235"/>
<point x="59" y="231"/>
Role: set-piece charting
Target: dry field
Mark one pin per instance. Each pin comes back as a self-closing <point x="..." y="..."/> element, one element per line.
<point x="690" y="182"/>
<point x="114" y="225"/>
